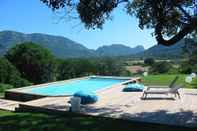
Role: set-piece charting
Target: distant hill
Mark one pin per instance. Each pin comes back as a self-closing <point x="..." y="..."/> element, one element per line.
<point x="62" y="47"/>
<point x="174" y="51"/>
<point x="65" y="48"/>
<point x="118" y="50"/>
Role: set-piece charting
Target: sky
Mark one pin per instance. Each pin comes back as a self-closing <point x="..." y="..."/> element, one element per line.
<point x="32" y="16"/>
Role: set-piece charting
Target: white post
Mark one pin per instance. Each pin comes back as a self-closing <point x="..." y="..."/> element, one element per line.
<point x="75" y="104"/>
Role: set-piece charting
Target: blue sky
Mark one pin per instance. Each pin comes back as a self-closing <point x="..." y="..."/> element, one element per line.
<point x="31" y="16"/>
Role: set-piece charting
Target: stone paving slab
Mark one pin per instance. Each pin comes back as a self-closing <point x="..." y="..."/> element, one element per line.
<point x="8" y="105"/>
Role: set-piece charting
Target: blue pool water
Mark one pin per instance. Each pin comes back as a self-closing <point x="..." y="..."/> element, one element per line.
<point x="69" y="88"/>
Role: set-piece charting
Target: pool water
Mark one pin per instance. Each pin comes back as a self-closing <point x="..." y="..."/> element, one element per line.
<point x="71" y="87"/>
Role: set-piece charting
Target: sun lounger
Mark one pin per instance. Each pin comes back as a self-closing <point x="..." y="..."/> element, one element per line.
<point x="172" y="90"/>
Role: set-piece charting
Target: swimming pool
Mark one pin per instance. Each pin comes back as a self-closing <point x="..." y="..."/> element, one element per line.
<point x="90" y="84"/>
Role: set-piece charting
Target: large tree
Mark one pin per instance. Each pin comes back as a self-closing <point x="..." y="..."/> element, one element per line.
<point x="171" y="20"/>
<point x="10" y="75"/>
<point x="34" y="62"/>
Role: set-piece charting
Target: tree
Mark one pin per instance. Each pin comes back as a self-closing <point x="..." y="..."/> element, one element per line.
<point x="34" y="62"/>
<point x="149" y="61"/>
<point x="160" y="67"/>
<point x="109" y="67"/>
<point x="75" y="68"/>
<point x="10" y="75"/>
<point x="190" y="54"/>
<point x="173" y="19"/>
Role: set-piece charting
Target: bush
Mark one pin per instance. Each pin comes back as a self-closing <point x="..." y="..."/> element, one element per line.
<point x="149" y="61"/>
<point x="35" y="63"/>
<point x="4" y="87"/>
<point x="19" y="82"/>
<point x="125" y="73"/>
<point x="74" y="68"/>
<point x="185" y="68"/>
<point x="160" y="67"/>
<point x="10" y="75"/>
<point x="109" y="67"/>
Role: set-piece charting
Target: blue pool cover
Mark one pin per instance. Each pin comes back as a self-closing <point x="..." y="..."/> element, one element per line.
<point x="86" y="97"/>
<point x="133" y="87"/>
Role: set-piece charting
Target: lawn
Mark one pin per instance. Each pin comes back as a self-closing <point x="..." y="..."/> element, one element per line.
<point x="166" y="79"/>
<point x="41" y="122"/>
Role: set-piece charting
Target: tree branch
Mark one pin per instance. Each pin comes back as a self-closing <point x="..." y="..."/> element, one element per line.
<point x="184" y="12"/>
<point x="187" y="29"/>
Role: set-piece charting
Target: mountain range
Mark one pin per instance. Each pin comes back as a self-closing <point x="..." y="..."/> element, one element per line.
<point x="63" y="47"/>
<point x="161" y="51"/>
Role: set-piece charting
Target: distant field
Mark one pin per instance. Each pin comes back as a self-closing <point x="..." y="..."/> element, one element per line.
<point x="166" y="79"/>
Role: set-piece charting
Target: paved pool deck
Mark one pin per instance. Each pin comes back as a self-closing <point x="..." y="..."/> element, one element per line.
<point x="8" y="105"/>
<point x="114" y="103"/>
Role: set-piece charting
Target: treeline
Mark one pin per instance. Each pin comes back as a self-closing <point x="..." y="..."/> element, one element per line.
<point x="187" y="66"/>
<point x="29" y="63"/>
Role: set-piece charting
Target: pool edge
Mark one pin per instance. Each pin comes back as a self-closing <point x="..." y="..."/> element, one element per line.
<point x="19" y="94"/>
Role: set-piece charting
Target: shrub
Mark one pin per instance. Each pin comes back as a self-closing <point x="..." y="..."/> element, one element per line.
<point x="75" y="68"/>
<point x="4" y="87"/>
<point x="186" y="69"/>
<point x="149" y="61"/>
<point x="160" y="67"/>
<point x="19" y="82"/>
<point x="10" y="75"/>
<point x="34" y="62"/>
<point x="109" y="67"/>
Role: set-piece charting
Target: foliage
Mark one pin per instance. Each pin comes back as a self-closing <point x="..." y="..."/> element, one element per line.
<point x="38" y="65"/>
<point x="160" y="67"/>
<point x="149" y="61"/>
<point x="168" y="18"/>
<point x="109" y="67"/>
<point x="125" y="73"/>
<point x="190" y="54"/>
<point x="4" y="87"/>
<point x="10" y="75"/>
<point x="72" y="68"/>
<point x="185" y="68"/>
<point x="35" y="63"/>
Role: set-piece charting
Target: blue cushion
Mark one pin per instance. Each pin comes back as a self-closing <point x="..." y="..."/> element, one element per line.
<point x="86" y="97"/>
<point x="133" y="87"/>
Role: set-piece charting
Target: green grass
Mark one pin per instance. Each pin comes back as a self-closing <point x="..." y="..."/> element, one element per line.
<point x="41" y="122"/>
<point x="166" y="79"/>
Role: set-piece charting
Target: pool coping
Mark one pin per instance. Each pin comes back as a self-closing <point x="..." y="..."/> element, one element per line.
<point x="26" y="96"/>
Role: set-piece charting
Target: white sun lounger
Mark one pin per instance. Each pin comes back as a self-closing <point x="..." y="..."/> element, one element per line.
<point x="166" y="91"/>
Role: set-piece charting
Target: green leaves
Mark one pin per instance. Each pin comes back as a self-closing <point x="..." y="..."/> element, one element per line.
<point x="171" y="19"/>
<point x="34" y="62"/>
<point x="93" y="13"/>
<point x="10" y="75"/>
